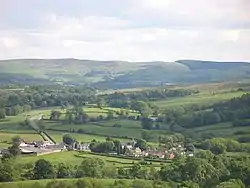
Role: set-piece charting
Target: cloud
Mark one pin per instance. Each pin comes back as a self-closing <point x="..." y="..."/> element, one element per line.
<point x="192" y="13"/>
<point x="136" y="30"/>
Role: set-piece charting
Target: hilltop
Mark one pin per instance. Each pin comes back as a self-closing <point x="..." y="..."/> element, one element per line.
<point x="119" y="74"/>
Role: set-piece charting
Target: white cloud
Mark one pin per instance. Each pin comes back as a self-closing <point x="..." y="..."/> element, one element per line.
<point x="10" y="42"/>
<point x="192" y="13"/>
<point x="148" y="30"/>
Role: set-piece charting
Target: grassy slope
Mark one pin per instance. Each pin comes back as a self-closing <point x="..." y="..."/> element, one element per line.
<point x="126" y="74"/>
<point x="201" y="98"/>
<point x="219" y="130"/>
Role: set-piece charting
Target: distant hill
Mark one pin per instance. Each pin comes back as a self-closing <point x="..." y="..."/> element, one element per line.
<point x="119" y="74"/>
<point x="212" y="65"/>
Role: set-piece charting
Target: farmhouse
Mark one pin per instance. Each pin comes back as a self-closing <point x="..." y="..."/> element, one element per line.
<point x="41" y="148"/>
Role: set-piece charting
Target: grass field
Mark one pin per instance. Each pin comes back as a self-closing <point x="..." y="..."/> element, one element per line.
<point x="11" y="127"/>
<point x="129" y="129"/>
<point x="218" y="130"/>
<point x="202" y="98"/>
<point x="6" y="136"/>
<point x="75" y="158"/>
<point x="61" y="157"/>
<point x="57" y="136"/>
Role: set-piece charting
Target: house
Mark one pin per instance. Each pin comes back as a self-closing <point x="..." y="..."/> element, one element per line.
<point x="23" y="144"/>
<point x="137" y="152"/>
<point x="84" y="146"/>
<point x="171" y="156"/>
<point x="42" y="143"/>
<point x="130" y="147"/>
<point x="157" y="154"/>
<point x="154" y="119"/>
<point x="79" y="146"/>
<point x="33" y="149"/>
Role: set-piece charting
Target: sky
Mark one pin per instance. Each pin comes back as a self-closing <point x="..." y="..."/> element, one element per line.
<point x="129" y="30"/>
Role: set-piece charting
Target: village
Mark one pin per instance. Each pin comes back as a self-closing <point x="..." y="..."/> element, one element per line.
<point x="130" y="148"/>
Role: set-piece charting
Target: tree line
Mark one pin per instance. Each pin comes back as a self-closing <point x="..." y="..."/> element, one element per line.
<point x="204" y="170"/>
<point x="16" y="101"/>
<point x="236" y="110"/>
<point x="124" y="100"/>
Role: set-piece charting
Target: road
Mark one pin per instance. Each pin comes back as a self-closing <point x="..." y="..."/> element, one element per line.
<point x="32" y="122"/>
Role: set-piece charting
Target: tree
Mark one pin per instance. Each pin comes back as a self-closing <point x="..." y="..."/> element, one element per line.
<point x="16" y="140"/>
<point x="110" y="115"/>
<point x="146" y="135"/>
<point x="68" y="139"/>
<point x="2" y="114"/>
<point x="190" y="147"/>
<point x="231" y="184"/>
<point x="118" y="147"/>
<point x="146" y="123"/>
<point x="142" y="144"/>
<point x="102" y="147"/>
<point x="89" y="183"/>
<point x="55" y="115"/>
<point x="109" y="171"/>
<point x="58" y="184"/>
<point x="189" y="184"/>
<point x="63" y="171"/>
<point x="91" y="167"/>
<point x="69" y="116"/>
<point x="198" y="170"/>
<point x="122" y="173"/>
<point x="217" y="147"/>
<point x="141" y="107"/>
<point x="14" y="150"/>
<point x="135" y="170"/>
<point x="100" y="102"/>
<point x="7" y="172"/>
<point x="121" y="184"/>
<point x="43" y="170"/>
<point x="141" y="184"/>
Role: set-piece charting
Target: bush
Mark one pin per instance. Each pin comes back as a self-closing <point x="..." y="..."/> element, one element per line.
<point x="117" y="125"/>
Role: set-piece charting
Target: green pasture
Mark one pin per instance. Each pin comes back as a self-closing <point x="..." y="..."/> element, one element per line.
<point x="122" y="122"/>
<point x="68" y="157"/>
<point x="218" y="130"/>
<point x="201" y="99"/>
<point x="75" y="158"/>
<point x="7" y="136"/>
<point x="57" y="136"/>
<point x="129" y="129"/>
<point x="95" y="129"/>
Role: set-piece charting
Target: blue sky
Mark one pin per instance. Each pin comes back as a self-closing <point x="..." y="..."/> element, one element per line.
<point x="133" y="30"/>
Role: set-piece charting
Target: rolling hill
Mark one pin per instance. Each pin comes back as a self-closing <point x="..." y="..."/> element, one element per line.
<point x="119" y="74"/>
